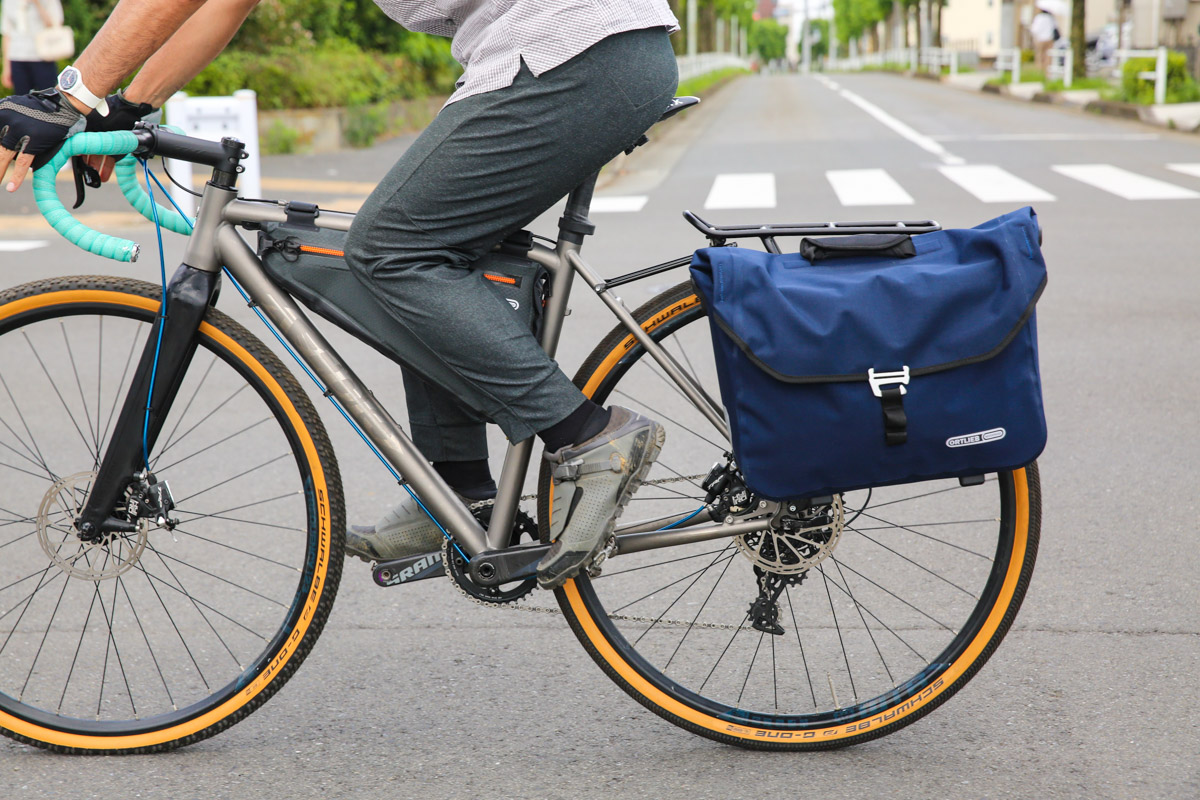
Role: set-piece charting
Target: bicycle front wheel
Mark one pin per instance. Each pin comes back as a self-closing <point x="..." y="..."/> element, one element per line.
<point x="159" y="637"/>
<point x="905" y="605"/>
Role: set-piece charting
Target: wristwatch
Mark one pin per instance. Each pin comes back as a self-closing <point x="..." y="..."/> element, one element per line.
<point x="70" y="81"/>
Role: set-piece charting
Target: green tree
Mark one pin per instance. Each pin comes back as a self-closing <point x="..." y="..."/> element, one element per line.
<point x="769" y="39"/>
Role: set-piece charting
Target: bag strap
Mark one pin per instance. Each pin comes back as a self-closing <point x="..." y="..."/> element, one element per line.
<point x="893" y="245"/>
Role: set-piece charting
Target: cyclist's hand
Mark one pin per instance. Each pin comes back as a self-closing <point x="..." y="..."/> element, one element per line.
<point x="122" y="116"/>
<point x="32" y="129"/>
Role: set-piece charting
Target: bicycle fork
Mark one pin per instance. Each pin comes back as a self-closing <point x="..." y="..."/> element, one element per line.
<point x="188" y="296"/>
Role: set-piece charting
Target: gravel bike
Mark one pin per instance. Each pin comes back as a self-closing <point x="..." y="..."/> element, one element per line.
<point x="172" y="521"/>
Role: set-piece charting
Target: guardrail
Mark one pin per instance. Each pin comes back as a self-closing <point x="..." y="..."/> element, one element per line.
<point x="930" y="58"/>
<point x="1159" y="76"/>
<point x="1062" y="64"/>
<point x="704" y="63"/>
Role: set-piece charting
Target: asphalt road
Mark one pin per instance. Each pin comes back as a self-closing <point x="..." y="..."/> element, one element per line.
<point x="415" y="693"/>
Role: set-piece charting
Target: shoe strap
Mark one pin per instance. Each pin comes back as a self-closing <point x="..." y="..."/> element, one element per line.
<point x="576" y="468"/>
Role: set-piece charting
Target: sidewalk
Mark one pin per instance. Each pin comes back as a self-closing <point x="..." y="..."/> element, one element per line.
<point x="1184" y="117"/>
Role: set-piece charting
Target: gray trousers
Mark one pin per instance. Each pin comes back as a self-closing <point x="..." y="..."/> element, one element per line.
<point x="485" y="167"/>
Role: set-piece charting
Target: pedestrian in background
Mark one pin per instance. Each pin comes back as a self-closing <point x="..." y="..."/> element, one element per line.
<point x="1044" y="31"/>
<point x="25" y="69"/>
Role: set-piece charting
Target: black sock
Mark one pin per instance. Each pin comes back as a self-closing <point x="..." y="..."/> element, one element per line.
<point x="472" y="479"/>
<point x="580" y="425"/>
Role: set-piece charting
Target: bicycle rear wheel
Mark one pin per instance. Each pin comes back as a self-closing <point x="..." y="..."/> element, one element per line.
<point x="921" y="584"/>
<point x="156" y="638"/>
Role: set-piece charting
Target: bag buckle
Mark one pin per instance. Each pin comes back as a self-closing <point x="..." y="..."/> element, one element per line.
<point x="880" y="379"/>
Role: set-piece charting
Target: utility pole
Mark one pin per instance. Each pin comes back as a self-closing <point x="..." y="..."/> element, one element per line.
<point x="793" y="35"/>
<point x="806" y="41"/>
<point x="692" y="24"/>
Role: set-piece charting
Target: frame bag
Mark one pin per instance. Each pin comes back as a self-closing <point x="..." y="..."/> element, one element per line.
<point x="309" y="262"/>
<point x="882" y="359"/>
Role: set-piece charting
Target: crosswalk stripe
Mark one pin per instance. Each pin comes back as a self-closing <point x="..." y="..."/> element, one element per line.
<point x="1186" y="169"/>
<point x="21" y="245"/>
<point x="867" y="187"/>
<point x="1124" y="183"/>
<point x="619" y="204"/>
<point x="742" y="190"/>
<point x="992" y="184"/>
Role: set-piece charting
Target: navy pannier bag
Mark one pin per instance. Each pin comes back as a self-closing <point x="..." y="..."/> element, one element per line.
<point x="885" y="360"/>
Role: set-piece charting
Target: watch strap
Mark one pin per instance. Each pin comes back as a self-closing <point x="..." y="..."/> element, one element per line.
<point x="70" y="81"/>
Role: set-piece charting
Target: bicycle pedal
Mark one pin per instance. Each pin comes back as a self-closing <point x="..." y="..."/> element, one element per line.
<point x="609" y="549"/>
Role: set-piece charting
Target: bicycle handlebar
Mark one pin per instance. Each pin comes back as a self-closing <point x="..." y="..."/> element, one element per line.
<point x="121" y="143"/>
<point x="46" y="196"/>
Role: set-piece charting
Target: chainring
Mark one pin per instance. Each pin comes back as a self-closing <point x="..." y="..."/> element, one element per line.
<point x="456" y="568"/>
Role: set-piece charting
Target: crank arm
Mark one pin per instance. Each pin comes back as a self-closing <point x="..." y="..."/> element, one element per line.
<point x="496" y="567"/>
<point x="408" y="569"/>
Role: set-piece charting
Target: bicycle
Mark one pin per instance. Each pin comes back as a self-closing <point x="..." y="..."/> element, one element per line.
<point x="140" y="615"/>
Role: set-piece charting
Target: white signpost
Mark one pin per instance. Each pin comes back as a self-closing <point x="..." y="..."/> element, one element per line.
<point x="215" y="118"/>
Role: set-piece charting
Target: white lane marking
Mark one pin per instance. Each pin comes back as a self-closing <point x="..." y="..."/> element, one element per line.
<point x="1047" y="137"/>
<point x="867" y="187"/>
<point x="1124" y="183"/>
<point x="21" y="246"/>
<point x="922" y="141"/>
<point x="1186" y="169"/>
<point x="619" y="204"/>
<point x="992" y="184"/>
<point x="742" y="190"/>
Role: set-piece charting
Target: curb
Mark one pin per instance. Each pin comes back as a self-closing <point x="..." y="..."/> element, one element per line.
<point x="1181" y="117"/>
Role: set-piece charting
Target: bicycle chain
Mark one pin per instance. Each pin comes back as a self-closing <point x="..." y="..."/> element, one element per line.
<point x="514" y="605"/>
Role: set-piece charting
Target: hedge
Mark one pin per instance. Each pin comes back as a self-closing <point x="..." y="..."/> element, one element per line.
<point x="326" y="76"/>
<point x="1180" y="86"/>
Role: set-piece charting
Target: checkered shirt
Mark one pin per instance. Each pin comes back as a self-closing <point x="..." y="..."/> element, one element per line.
<point x="491" y="37"/>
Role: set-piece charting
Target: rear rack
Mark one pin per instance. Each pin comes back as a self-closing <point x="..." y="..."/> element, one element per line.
<point x="719" y="234"/>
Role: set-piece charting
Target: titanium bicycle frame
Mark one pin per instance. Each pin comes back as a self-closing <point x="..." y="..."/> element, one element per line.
<point x="215" y="243"/>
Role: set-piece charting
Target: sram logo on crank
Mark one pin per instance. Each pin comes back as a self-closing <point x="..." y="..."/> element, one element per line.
<point x="412" y="568"/>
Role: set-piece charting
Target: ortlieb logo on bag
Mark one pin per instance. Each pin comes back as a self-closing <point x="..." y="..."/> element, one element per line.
<point x="983" y="437"/>
<point x="862" y="366"/>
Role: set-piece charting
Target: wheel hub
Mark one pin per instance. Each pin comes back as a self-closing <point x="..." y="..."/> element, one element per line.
<point x="109" y="556"/>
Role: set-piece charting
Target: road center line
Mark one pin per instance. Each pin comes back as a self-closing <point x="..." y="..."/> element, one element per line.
<point x="922" y="141"/>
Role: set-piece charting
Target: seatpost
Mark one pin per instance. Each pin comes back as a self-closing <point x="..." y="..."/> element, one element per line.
<point x="574" y="224"/>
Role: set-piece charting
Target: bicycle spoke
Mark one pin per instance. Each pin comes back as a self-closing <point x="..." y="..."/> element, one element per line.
<point x="42" y="643"/>
<point x="137" y="618"/>
<point x="211" y="446"/>
<point x="803" y="657"/>
<point x="750" y="669"/>
<point x="845" y="590"/>
<point x="663" y="563"/>
<point x="289" y="567"/>
<point x="911" y="561"/>
<point x="33" y="450"/>
<point x="236" y="585"/>
<point x="82" y="400"/>
<point x="912" y="530"/>
<point x="723" y="652"/>
<point x="233" y="478"/>
<point x="204" y="419"/>
<point x="898" y="597"/>
<point x="169" y="439"/>
<point x="664" y="417"/>
<point x="692" y="624"/>
<point x="862" y="617"/>
<point x="58" y="394"/>
<point x="841" y="640"/>
<point x="119" y="395"/>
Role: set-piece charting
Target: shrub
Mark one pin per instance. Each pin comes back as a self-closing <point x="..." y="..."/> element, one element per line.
<point x="280" y="139"/>
<point x="1180" y="86"/>
<point x="330" y="75"/>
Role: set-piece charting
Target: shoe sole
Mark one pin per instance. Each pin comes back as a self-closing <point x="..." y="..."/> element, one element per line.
<point x="658" y="437"/>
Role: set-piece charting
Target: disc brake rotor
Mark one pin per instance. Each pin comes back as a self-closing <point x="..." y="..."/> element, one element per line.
<point x="797" y="540"/>
<point x="110" y="556"/>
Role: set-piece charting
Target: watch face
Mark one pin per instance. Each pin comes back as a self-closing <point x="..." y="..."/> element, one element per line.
<point x="68" y="78"/>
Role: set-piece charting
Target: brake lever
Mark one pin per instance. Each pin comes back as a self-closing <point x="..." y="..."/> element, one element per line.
<point x="85" y="174"/>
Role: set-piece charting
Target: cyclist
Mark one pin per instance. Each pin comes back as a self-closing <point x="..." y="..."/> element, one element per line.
<point x="552" y="90"/>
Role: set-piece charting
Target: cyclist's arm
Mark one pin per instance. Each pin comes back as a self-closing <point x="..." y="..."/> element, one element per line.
<point x="194" y="45"/>
<point x="132" y="33"/>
